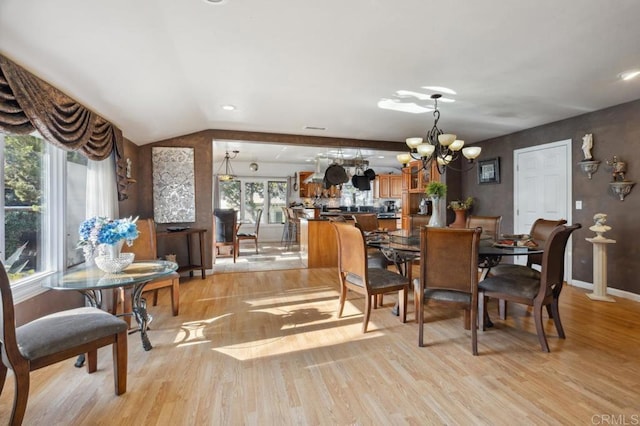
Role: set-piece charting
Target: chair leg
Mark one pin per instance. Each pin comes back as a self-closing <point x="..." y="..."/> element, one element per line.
<point x="502" y="309"/>
<point x="120" y="363"/>
<point x="92" y="361"/>
<point x="402" y="298"/>
<point x="420" y="318"/>
<point x="3" y="375"/>
<point x="367" y="312"/>
<point x="473" y="317"/>
<point x="256" y="240"/>
<point x="555" y="314"/>
<point x="175" y="296"/>
<point x="537" y="316"/>
<point x="482" y="306"/>
<point x="21" y="378"/>
<point x="343" y="298"/>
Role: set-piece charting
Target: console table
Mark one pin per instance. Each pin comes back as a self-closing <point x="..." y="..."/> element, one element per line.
<point x="189" y="232"/>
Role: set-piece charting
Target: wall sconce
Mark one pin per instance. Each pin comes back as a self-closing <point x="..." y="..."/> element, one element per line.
<point x="589" y="167"/>
<point x="128" y="172"/>
<point x="620" y="186"/>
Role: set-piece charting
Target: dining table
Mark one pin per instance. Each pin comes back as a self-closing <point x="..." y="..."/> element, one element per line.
<point x="402" y="247"/>
<point x="91" y="282"/>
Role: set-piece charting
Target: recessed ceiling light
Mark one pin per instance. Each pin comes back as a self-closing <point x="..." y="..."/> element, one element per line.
<point x="228" y="107"/>
<point x="215" y="1"/>
<point x="380" y="156"/>
<point x="628" y="75"/>
<point x="314" y="128"/>
<point x="440" y="89"/>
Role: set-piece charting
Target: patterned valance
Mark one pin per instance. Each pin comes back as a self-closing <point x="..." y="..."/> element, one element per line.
<point x="28" y="103"/>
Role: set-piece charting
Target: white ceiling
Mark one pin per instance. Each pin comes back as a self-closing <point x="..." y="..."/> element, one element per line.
<point x="161" y="68"/>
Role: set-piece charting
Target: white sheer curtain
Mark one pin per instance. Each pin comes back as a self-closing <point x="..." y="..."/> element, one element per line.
<point x="102" y="193"/>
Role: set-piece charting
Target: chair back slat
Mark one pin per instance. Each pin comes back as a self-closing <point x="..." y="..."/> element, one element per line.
<point x="367" y="222"/>
<point x="225" y="225"/>
<point x="8" y="343"/>
<point x="540" y="231"/>
<point x="449" y="258"/>
<point x="145" y="246"/>
<point x="552" y="274"/>
<point x="352" y="251"/>
<point x="490" y="225"/>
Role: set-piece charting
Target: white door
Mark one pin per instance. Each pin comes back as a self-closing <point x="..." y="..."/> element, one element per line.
<point x="542" y="187"/>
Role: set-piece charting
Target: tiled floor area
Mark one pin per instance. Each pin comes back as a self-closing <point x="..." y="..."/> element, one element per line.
<point x="271" y="256"/>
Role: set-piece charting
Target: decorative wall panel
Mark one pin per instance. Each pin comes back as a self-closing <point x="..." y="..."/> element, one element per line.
<point x="174" y="199"/>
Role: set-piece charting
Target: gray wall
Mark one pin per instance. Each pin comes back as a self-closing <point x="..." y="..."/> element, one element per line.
<point x="616" y="131"/>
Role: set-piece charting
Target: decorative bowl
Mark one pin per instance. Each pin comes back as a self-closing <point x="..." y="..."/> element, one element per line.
<point x="114" y="265"/>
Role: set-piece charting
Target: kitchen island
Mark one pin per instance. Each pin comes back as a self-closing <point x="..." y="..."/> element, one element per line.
<point x="318" y="243"/>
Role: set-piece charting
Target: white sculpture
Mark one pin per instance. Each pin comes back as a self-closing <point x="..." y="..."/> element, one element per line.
<point x="599" y="227"/>
<point x="587" y="144"/>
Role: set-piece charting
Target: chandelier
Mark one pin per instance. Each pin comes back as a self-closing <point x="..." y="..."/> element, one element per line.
<point x="226" y="163"/>
<point x="442" y="147"/>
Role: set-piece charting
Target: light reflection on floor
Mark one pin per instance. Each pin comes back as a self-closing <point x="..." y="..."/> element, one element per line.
<point x="271" y="256"/>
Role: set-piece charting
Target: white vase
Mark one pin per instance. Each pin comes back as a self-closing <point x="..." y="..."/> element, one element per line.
<point x="435" y="220"/>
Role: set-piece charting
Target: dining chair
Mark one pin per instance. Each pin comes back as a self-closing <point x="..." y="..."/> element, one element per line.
<point x="356" y="275"/>
<point x="536" y="292"/>
<point x="54" y="338"/>
<point x="417" y="221"/>
<point x="224" y="233"/>
<point x="490" y="225"/>
<point x="448" y="274"/>
<point x="367" y="222"/>
<point x="540" y="231"/>
<point x="242" y="236"/>
<point x="145" y="247"/>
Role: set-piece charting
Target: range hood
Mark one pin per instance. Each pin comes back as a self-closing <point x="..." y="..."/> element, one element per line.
<point x="317" y="176"/>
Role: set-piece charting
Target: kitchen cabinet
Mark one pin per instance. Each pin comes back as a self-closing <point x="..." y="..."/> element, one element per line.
<point x="413" y="182"/>
<point x="308" y="190"/>
<point x="388" y="186"/>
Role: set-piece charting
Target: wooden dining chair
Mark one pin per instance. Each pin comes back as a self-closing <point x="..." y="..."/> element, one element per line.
<point x="251" y="236"/>
<point x="536" y="292"/>
<point x="224" y="233"/>
<point x="448" y="274"/>
<point x="490" y="225"/>
<point x="54" y="338"/>
<point x="540" y="231"/>
<point x="367" y="222"/>
<point x="355" y="274"/>
<point x="145" y="247"/>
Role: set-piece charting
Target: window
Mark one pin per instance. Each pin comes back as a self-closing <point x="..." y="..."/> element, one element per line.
<point x="250" y="195"/>
<point x="40" y="217"/>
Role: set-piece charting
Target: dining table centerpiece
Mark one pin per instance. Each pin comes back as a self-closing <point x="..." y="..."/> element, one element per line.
<point x="460" y="208"/>
<point x="101" y="240"/>
<point x="436" y="192"/>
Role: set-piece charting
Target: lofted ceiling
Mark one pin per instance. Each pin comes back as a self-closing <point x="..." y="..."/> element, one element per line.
<point x="160" y="68"/>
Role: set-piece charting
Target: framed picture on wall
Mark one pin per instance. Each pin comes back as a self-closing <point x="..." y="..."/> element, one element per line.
<point x="489" y="170"/>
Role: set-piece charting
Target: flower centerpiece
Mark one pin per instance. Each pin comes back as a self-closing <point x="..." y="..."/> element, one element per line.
<point x="461" y="205"/>
<point x="460" y="209"/>
<point x="102" y="238"/>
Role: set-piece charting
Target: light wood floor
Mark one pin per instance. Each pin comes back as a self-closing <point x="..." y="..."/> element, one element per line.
<point x="266" y="348"/>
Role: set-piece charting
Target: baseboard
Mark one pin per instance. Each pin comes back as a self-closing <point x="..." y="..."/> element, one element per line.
<point x="610" y="291"/>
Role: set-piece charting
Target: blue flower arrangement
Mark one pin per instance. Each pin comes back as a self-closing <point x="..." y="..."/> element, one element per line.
<point x="102" y="230"/>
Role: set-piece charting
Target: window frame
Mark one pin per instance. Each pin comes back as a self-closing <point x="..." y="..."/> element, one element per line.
<point x="264" y="220"/>
<point x="53" y="221"/>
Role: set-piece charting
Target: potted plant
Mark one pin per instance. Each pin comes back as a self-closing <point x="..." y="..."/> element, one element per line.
<point x="436" y="191"/>
<point x="460" y="208"/>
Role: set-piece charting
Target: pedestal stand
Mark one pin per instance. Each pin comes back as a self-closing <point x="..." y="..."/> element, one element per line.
<point x="600" y="269"/>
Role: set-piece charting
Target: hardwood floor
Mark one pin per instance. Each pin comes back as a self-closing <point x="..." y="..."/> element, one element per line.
<point x="266" y="348"/>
